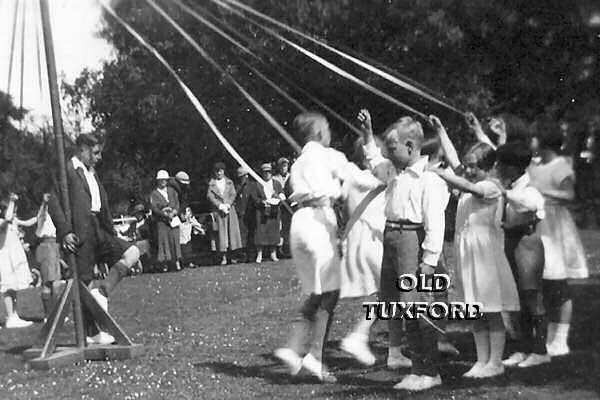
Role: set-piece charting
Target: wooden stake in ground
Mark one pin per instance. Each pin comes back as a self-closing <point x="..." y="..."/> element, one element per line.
<point x="75" y="292"/>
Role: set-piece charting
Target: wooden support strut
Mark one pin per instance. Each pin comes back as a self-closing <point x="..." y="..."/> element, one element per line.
<point x="50" y="354"/>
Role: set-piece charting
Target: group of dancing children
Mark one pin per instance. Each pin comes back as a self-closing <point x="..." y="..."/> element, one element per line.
<point x="515" y="244"/>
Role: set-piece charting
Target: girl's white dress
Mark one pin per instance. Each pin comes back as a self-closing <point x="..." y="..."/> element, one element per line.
<point x="563" y="251"/>
<point x="363" y="248"/>
<point x="316" y="178"/>
<point x="483" y="271"/>
<point x="14" y="268"/>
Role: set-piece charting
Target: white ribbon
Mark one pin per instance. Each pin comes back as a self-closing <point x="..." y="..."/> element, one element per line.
<point x="195" y="102"/>
<point x="355" y="60"/>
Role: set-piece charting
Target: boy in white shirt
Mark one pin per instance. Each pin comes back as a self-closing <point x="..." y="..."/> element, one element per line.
<point x="416" y="200"/>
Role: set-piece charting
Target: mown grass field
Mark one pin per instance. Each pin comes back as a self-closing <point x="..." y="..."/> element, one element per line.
<point x="209" y="334"/>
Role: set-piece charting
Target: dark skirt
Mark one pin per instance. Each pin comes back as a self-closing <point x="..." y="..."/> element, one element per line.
<point x="267" y="227"/>
<point x="168" y="243"/>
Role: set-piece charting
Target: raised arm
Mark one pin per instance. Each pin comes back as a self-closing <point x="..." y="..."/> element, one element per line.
<point x="348" y="172"/>
<point x="447" y="146"/>
<point x="26" y="223"/>
<point x="377" y="163"/>
<point x="9" y="215"/>
<point x="475" y="128"/>
<point x="565" y="191"/>
<point x="459" y="182"/>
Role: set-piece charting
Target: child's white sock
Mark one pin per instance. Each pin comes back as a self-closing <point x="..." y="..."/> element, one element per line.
<point x="497" y="340"/>
<point x="363" y="327"/>
<point x="551" y="332"/>
<point x="562" y="334"/>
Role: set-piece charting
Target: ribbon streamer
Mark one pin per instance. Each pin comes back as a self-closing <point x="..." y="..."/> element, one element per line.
<point x="280" y="129"/>
<point x="23" y="15"/>
<point x="243" y="48"/>
<point x="328" y="64"/>
<point x="256" y="57"/>
<point x="195" y="102"/>
<point x="193" y="99"/>
<point x="12" y="46"/>
<point x="355" y="60"/>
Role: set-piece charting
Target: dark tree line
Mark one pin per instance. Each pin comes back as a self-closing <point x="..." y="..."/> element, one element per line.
<point x="536" y="59"/>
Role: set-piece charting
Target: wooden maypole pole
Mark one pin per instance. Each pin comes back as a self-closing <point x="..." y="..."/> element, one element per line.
<point x="60" y="151"/>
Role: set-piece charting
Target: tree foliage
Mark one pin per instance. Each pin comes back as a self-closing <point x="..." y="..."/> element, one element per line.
<point x="25" y="158"/>
<point x="532" y="58"/>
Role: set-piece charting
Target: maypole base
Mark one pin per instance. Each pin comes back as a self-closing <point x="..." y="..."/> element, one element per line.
<point x="58" y="359"/>
<point x="66" y="355"/>
<point x="50" y="355"/>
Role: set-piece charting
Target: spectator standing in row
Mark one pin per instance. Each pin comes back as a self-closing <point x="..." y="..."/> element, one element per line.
<point x="283" y="165"/>
<point x="221" y="195"/>
<point x="181" y="184"/>
<point x="243" y="205"/>
<point x="164" y="203"/>
<point x="265" y="200"/>
<point x="283" y="171"/>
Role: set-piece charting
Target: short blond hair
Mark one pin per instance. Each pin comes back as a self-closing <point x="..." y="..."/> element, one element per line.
<point x="408" y="128"/>
<point x="307" y="125"/>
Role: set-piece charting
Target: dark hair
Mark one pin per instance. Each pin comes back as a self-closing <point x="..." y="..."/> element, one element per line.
<point x="514" y="154"/>
<point x="86" y="140"/>
<point x="550" y="138"/>
<point x="219" y="166"/>
<point x="304" y="124"/>
<point x="430" y="146"/>
<point x="485" y="154"/>
<point x="516" y="128"/>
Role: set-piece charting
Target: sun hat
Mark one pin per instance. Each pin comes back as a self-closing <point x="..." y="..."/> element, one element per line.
<point x="183" y="177"/>
<point x="266" y="167"/>
<point x="162" y="174"/>
<point x="241" y="171"/>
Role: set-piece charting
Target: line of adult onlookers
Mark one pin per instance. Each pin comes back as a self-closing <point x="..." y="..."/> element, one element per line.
<point x="250" y="222"/>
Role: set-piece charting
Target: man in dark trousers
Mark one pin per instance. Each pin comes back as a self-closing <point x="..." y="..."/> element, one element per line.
<point x="90" y="233"/>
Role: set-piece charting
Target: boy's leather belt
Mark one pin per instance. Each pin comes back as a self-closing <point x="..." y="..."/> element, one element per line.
<point x="403" y="225"/>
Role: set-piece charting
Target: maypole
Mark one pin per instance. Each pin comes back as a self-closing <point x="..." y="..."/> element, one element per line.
<point x="75" y="292"/>
<point x="60" y="151"/>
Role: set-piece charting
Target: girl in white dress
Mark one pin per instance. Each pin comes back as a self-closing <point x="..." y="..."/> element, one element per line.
<point x="14" y="269"/>
<point x="564" y="256"/>
<point x="362" y="256"/>
<point x="483" y="269"/>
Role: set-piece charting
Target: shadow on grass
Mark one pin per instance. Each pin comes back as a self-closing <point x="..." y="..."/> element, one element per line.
<point x="275" y="374"/>
<point x="17" y="350"/>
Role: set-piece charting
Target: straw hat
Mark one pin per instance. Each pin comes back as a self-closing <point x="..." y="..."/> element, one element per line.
<point x="241" y="171"/>
<point x="266" y="167"/>
<point x="283" y="160"/>
<point x="182" y="177"/>
<point x="162" y="174"/>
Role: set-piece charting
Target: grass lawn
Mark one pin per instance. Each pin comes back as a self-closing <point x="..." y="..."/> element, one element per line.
<point x="209" y="334"/>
